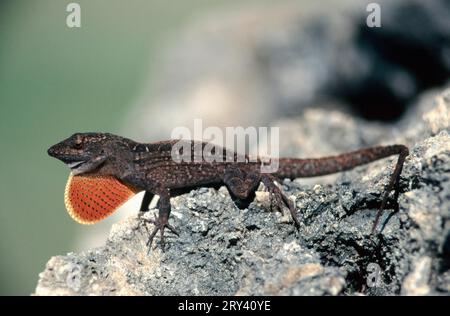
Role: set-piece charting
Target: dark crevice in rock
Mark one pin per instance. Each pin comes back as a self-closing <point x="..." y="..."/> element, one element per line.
<point x="406" y="56"/>
<point x="445" y="257"/>
<point x="370" y="252"/>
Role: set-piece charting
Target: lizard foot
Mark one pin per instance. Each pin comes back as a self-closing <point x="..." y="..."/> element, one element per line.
<point x="160" y="225"/>
<point x="278" y="201"/>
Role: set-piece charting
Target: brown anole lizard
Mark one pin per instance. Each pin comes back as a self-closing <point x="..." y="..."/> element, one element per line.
<point x="108" y="169"/>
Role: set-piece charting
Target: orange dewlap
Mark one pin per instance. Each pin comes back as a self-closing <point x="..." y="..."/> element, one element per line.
<point x="89" y="199"/>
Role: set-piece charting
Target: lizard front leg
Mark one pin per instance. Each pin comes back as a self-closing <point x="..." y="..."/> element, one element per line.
<point x="162" y="221"/>
<point x="146" y="200"/>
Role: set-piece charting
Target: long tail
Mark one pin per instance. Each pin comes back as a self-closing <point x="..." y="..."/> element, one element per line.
<point x="298" y="168"/>
<point x="302" y="168"/>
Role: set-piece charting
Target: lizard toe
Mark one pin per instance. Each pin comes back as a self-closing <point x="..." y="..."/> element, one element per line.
<point x="160" y="225"/>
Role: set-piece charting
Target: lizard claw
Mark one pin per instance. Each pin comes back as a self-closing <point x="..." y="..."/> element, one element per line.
<point x="282" y="201"/>
<point x="278" y="201"/>
<point x="160" y="225"/>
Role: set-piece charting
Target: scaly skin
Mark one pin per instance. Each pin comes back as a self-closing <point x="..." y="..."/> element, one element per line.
<point x="150" y="168"/>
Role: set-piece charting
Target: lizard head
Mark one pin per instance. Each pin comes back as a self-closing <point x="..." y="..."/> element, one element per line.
<point x="94" y="189"/>
<point x="85" y="152"/>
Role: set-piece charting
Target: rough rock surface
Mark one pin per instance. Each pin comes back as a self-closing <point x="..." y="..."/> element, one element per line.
<point x="225" y="251"/>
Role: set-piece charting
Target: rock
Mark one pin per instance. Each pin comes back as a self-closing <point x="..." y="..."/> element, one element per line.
<point x="225" y="251"/>
<point x="416" y="282"/>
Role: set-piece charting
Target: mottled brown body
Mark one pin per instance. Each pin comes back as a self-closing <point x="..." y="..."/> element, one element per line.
<point x="151" y="168"/>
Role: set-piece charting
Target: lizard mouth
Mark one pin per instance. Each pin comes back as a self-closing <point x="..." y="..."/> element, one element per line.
<point x="76" y="164"/>
<point x="84" y="166"/>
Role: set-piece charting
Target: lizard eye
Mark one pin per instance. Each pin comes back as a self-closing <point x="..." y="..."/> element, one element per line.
<point x="78" y="144"/>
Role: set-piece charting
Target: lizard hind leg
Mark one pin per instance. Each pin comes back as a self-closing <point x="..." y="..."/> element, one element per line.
<point x="278" y="198"/>
<point x="393" y="184"/>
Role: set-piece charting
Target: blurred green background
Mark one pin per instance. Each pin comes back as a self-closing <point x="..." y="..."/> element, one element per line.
<point x="55" y="81"/>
